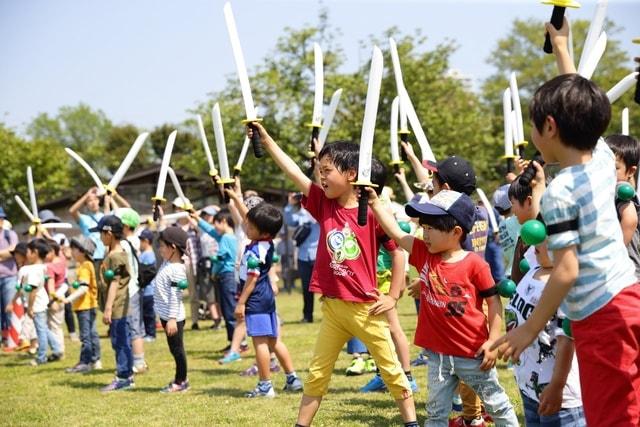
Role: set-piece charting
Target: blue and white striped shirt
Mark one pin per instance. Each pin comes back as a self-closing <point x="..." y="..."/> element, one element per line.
<point x="167" y="299"/>
<point x="585" y="193"/>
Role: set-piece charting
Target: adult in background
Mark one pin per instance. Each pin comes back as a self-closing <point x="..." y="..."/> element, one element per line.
<point x="89" y="220"/>
<point x="306" y="239"/>
<point x="8" y="274"/>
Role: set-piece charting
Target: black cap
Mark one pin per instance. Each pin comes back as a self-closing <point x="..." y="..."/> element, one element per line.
<point x="108" y="223"/>
<point x="146" y="234"/>
<point x="455" y="171"/>
<point x="21" y="248"/>
<point x="175" y="236"/>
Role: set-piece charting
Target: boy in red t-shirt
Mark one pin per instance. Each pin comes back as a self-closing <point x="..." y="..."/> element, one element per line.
<point x="452" y="326"/>
<point x="345" y="275"/>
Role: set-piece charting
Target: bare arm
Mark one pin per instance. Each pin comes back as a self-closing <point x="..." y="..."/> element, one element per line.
<point x="421" y="173"/>
<point x="628" y="222"/>
<point x="117" y="198"/>
<point x="388" y="222"/>
<point x="559" y="40"/>
<point x="237" y="203"/>
<point x="284" y="162"/>
<point x="74" y="210"/>
<point x="248" y="288"/>
<point x="494" y="319"/>
<point x="397" y="274"/>
<point x="402" y="179"/>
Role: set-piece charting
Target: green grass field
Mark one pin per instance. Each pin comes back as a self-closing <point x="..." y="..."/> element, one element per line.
<point x="46" y="395"/>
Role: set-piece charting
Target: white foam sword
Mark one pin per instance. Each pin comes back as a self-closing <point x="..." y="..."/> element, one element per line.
<point x="158" y="199"/>
<point x="318" y="98"/>
<point x="213" y="172"/>
<point x="225" y="177"/>
<point x="366" y="136"/>
<point x="393" y="135"/>
<point x="241" y="68"/>
<point x="176" y="186"/>
<point x="402" y="94"/>
<point x="126" y="163"/>
<point x="328" y="118"/>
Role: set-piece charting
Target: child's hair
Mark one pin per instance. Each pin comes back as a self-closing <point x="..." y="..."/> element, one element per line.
<point x="518" y="191"/>
<point x="626" y="148"/>
<point x="55" y="247"/>
<point x="378" y="175"/>
<point x="224" y="215"/>
<point x="40" y="246"/>
<point x="343" y="154"/>
<point x="267" y="218"/>
<point x="580" y="109"/>
<point x="445" y="223"/>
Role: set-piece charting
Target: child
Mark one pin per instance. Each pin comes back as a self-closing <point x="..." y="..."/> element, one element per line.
<point x="451" y="324"/>
<point x="597" y="286"/>
<point x="57" y="287"/>
<point x="524" y="209"/>
<point x="627" y="153"/>
<point x="224" y="270"/>
<point x="256" y="303"/>
<point x="547" y="374"/>
<point x="345" y="274"/>
<point x="85" y="301"/>
<point x="32" y="276"/>
<point x="147" y="273"/>
<point x="113" y="298"/>
<point x="167" y="300"/>
<point x="24" y="331"/>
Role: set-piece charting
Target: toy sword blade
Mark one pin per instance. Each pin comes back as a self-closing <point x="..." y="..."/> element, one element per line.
<point x="368" y="129"/>
<point x="590" y="64"/>
<point x="393" y="136"/>
<point x="328" y="118"/>
<point x="32" y="192"/>
<point x="625" y="121"/>
<point x="225" y="178"/>
<point x="126" y="163"/>
<point x="241" y="68"/>
<point x="622" y="86"/>
<point x="594" y="33"/>
<point x="25" y="209"/>
<point x="60" y="225"/>
<point x="205" y="144"/>
<point x="492" y="215"/>
<point x="178" y="188"/>
<point x="243" y="153"/>
<point x="421" y="137"/>
<point x="86" y="167"/>
<point x="162" y="178"/>
<point x="515" y="99"/>
<point x="508" y="138"/>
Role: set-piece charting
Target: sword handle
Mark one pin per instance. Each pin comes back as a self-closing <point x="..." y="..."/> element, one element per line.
<point x="315" y="131"/>
<point x="256" y="142"/>
<point x="636" y="97"/>
<point x="225" y="196"/>
<point x="156" y="210"/>
<point x="530" y="170"/>
<point x="557" y="16"/>
<point x="509" y="165"/>
<point x="396" y="169"/>
<point x="404" y="137"/>
<point x="521" y="151"/>
<point x="236" y="173"/>
<point x="363" y="206"/>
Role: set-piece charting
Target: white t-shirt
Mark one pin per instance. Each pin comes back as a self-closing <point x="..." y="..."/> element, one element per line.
<point x="133" y="265"/>
<point x="535" y="368"/>
<point x="34" y="275"/>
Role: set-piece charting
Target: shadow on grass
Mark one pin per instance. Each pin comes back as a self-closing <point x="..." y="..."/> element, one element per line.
<point x="217" y="371"/>
<point x="228" y="392"/>
<point x="94" y="385"/>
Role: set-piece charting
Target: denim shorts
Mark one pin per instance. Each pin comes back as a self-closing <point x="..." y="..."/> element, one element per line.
<point x="262" y="325"/>
<point x="566" y="417"/>
<point x="134" y="316"/>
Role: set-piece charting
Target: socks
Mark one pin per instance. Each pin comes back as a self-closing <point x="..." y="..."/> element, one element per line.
<point x="138" y="359"/>
<point x="411" y="424"/>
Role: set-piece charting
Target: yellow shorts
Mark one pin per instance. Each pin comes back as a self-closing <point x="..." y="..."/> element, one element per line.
<point x="342" y="320"/>
<point x="384" y="281"/>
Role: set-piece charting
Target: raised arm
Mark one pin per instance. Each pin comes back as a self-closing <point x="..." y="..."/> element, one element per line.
<point x="282" y="159"/>
<point x="389" y="223"/>
<point x="560" y="42"/>
<point x="421" y="173"/>
<point x="402" y="179"/>
<point x="74" y="210"/>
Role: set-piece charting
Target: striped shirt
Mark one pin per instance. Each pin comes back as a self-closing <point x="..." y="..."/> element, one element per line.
<point x="167" y="299"/>
<point x="580" y="202"/>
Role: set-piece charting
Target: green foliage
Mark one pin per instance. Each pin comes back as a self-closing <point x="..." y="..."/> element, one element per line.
<point x="521" y="51"/>
<point x="51" y="176"/>
<point x="119" y="141"/>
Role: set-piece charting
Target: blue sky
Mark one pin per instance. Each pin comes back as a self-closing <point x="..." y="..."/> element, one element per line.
<point x="147" y="61"/>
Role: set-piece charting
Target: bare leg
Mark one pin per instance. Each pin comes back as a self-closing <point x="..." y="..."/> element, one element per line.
<point x="263" y="357"/>
<point x="399" y="339"/>
<point x="308" y="407"/>
<point x="238" y="335"/>
<point x="214" y="311"/>
<point x="282" y="353"/>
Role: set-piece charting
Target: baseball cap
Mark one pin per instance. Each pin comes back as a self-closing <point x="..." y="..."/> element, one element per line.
<point x="128" y="216"/>
<point x="182" y="203"/>
<point x="501" y="198"/>
<point x="108" y="223"/>
<point x="210" y="210"/>
<point x="85" y="244"/>
<point x="446" y="202"/>
<point x="175" y="236"/>
<point x="47" y="216"/>
<point x="455" y="171"/>
<point x="253" y="201"/>
<point x="146" y="234"/>
<point x="2" y="213"/>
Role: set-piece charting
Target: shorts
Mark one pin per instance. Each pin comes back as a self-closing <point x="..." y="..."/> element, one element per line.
<point x="262" y="325"/>
<point x="210" y="290"/>
<point x="384" y="281"/>
<point x="134" y="316"/>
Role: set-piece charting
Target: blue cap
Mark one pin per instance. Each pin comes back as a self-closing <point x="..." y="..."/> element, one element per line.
<point x="108" y="223"/>
<point x="446" y="202"/>
<point x="146" y="234"/>
<point x="2" y="213"/>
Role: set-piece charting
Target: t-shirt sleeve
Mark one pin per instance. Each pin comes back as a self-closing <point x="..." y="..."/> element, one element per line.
<point x="83" y="223"/>
<point x="560" y="212"/>
<point x="419" y="254"/>
<point x="83" y="275"/>
<point x="313" y="202"/>
<point x="482" y="278"/>
<point x="35" y="277"/>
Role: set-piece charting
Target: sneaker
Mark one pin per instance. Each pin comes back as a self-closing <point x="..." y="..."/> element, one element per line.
<point x="375" y="384"/>
<point x="36" y="362"/>
<point x="262" y="391"/>
<point x="216" y="324"/>
<point x="176" y="388"/>
<point x="414" y="385"/>
<point x="420" y="360"/>
<point x="357" y="367"/>
<point x="149" y="338"/>
<point x="140" y="368"/>
<point x="370" y="365"/>
<point x="97" y="365"/>
<point x="456" y="403"/>
<point x="78" y="369"/>
<point x="232" y="356"/>
<point x="54" y="357"/>
<point x="274" y="367"/>
<point x="244" y="348"/>
<point x="118" y="384"/>
<point x="293" y="384"/>
<point x="461" y="422"/>
<point x="9" y="349"/>
<point x="195" y="327"/>
<point x="250" y="371"/>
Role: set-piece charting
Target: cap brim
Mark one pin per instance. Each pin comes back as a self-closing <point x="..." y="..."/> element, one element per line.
<point x="94" y="230"/>
<point x="415" y="210"/>
<point x="430" y="165"/>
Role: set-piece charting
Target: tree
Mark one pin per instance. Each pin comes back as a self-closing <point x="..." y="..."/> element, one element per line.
<point x="119" y="141"/>
<point x="51" y="177"/>
<point x="521" y="51"/>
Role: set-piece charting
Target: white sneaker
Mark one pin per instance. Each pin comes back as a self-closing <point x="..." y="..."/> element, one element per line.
<point x="97" y="365"/>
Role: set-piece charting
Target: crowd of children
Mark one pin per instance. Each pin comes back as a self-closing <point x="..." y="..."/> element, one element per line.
<point x="572" y="321"/>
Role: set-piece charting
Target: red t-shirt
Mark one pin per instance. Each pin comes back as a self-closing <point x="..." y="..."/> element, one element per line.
<point x="345" y="266"/>
<point x="451" y="320"/>
<point x="57" y="270"/>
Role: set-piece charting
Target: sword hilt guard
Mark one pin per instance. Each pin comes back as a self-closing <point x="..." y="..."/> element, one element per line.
<point x="236" y="171"/>
<point x="226" y="184"/>
<point x="557" y="16"/>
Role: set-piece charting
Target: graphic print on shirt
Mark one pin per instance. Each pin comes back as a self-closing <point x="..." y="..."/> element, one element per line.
<point x="342" y="245"/>
<point x="437" y="292"/>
